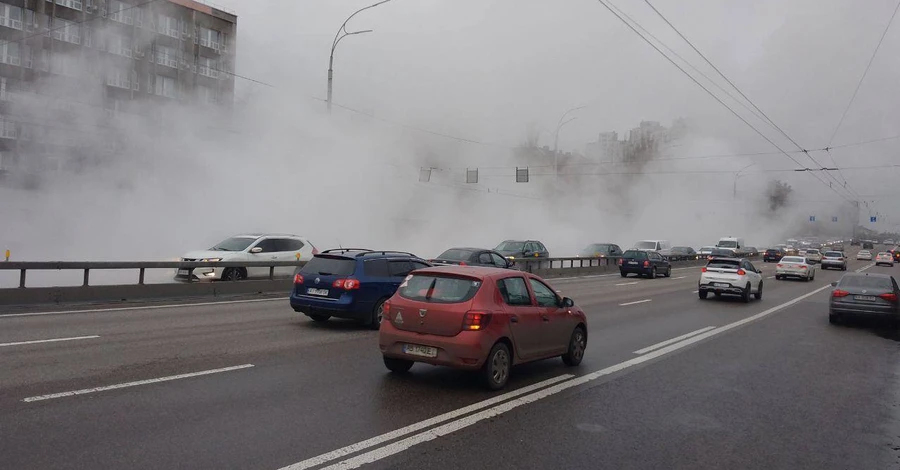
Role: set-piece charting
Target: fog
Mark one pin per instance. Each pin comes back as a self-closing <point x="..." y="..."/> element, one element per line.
<point x="484" y="73"/>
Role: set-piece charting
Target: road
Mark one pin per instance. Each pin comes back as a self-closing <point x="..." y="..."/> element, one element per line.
<point x="668" y="381"/>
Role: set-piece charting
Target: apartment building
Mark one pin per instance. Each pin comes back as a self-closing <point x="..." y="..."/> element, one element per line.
<point x="72" y="72"/>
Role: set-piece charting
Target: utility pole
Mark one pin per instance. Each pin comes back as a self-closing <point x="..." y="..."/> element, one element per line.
<point x="738" y="175"/>
<point x="341" y="34"/>
<point x="559" y="125"/>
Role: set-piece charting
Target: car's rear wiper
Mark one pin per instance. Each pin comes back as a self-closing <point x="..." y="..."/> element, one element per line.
<point x="325" y="274"/>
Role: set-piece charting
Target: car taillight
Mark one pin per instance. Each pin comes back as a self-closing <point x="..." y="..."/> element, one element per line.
<point x="839" y="293"/>
<point x="741" y="272"/>
<point x="889" y="297"/>
<point x="298" y="279"/>
<point x="703" y="269"/>
<point x="386" y="308"/>
<point x="779" y="265"/>
<point x="621" y="262"/>
<point x="646" y="264"/>
<point x="463" y="263"/>
<point x="803" y="267"/>
<point x="475" y="320"/>
<point x="346" y="284"/>
<point x="315" y="251"/>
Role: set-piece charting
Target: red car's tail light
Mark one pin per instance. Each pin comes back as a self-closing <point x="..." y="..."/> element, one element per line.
<point x="741" y="272"/>
<point x="839" y="293"/>
<point x="703" y="269"/>
<point x="646" y="264"/>
<point x="386" y="308"/>
<point x="298" y="279"/>
<point x="475" y="320"/>
<point x="346" y="284"/>
<point x="889" y="297"/>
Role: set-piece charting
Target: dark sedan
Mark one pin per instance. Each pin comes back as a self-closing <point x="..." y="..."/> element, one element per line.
<point x="471" y="257"/>
<point x="864" y="295"/>
<point x="773" y="255"/>
<point x="680" y="253"/>
<point x="644" y="263"/>
<point x="517" y="249"/>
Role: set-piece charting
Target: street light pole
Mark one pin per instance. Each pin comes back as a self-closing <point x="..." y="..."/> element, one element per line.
<point x="559" y="125"/>
<point x="738" y="175"/>
<point x="341" y="34"/>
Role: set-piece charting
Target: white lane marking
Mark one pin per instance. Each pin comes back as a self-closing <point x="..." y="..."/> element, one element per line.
<point x="865" y="267"/>
<point x="667" y="342"/>
<point x="635" y="302"/>
<point x="680" y="277"/>
<point x="628" y="283"/>
<point x="453" y="426"/>
<point x="53" y="340"/>
<point x="771" y="277"/>
<point x="134" y="384"/>
<point x="147" y="307"/>
<point x="377" y="440"/>
<point x="695" y="292"/>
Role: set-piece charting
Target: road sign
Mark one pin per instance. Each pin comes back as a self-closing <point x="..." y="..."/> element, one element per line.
<point x="812" y="218"/>
<point x="873" y="219"/>
<point x="834" y="219"/>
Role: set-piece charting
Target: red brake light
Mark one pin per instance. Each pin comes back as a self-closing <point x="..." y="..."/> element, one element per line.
<point x="703" y="269"/>
<point x="475" y="320"/>
<point x="463" y="263"/>
<point x="889" y="297"/>
<point x="386" y="308"/>
<point x="621" y="262"/>
<point x="803" y="266"/>
<point x="646" y="264"/>
<point x="779" y="265"/>
<point x="839" y="293"/>
<point x="298" y="279"/>
<point x="741" y="272"/>
<point x="347" y="284"/>
<point x="315" y="251"/>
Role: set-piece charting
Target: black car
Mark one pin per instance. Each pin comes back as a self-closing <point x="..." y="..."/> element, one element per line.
<point x="864" y="295"/>
<point x="601" y="250"/>
<point x="680" y="253"/>
<point x="471" y="257"/>
<point x="773" y="255"/>
<point x="515" y="249"/>
<point x="644" y="263"/>
<point x="720" y="253"/>
<point x="868" y="246"/>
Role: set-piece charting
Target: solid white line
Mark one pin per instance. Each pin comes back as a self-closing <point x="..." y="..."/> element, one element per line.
<point x="377" y="440"/>
<point x="453" y="426"/>
<point x="38" y="341"/>
<point x="148" y="307"/>
<point x="673" y="340"/>
<point x="771" y="277"/>
<point x="635" y="302"/>
<point x="696" y="291"/>
<point x="680" y="277"/>
<point x="134" y="384"/>
<point x="629" y="283"/>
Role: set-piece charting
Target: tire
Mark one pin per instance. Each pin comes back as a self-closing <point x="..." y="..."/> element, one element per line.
<point x="233" y="274"/>
<point x="669" y="272"/>
<point x="746" y="295"/>
<point x="377" y="313"/>
<point x="577" y="345"/>
<point x="398" y="366"/>
<point x="319" y="318"/>
<point x="813" y="278"/>
<point x="497" y="366"/>
<point x="778" y="277"/>
<point x="653" y="273"/>
<point x="703" y="295"/>
<point x="758" y="294"/>
<point x="834" y="319"/>
<point x="623" y="273"/>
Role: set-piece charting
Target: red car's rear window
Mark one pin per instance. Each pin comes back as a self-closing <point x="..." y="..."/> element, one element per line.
<point x="439" y="289"/>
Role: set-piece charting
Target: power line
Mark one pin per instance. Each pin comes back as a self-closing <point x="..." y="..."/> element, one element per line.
<point x="770" y="121"/>
<point x="604" y="3"/>
<point x="865" y="72"/>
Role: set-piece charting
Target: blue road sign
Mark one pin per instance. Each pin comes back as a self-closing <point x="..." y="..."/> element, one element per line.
<point x="873" y="219"/>
<point x="812" y="218"/>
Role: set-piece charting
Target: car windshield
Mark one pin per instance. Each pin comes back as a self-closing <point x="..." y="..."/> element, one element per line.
<point x="439" y="289"/>
<point x="812" y="252"/>
<point x="456" y="254"/>
<point x="872" y="282"/>
<point x="233" y="244"/>
<point x="634" y="254"/>
<point x="511" y="246"/>
<point x="728" y="244"/>
<point x="596" y="248"/>
<point x="793" y="259"/>
<point x="329" y="266"/>
<point x="645" y="245"/>
<point x="834" y="254"/>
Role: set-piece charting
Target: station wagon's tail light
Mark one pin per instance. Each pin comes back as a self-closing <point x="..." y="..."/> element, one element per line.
<point x="298" y="279"/>
<point x="646" y="264"/>
<point x="475" y="320"/>
<point x="840" y="293"/>
<point x="741" y="272"/>
<point x="889" y="297"/>
<point x="346" y="284"/>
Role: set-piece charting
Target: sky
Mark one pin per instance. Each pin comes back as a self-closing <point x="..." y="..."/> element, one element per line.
<point x="484" y="72"/>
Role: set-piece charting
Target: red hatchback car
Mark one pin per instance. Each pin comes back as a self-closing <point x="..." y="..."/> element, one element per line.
<point x="479" y="318"/>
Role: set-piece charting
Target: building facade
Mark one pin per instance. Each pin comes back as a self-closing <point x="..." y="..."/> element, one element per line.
<point x="72" y="72"/>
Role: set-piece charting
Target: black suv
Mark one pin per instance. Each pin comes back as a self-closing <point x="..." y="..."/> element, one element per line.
<point x="644" y="263"/>
<point x="773" y="255"/>
<point x="471" y="257"/>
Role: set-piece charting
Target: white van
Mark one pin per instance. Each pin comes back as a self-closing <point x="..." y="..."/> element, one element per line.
<point x="734" y="244"/>
<point x="653" y="245"/>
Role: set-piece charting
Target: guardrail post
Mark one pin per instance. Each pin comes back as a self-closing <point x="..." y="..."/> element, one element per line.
<point x="141" y="277"/>
<point x="271" y="272"/>
<point x="22" y="278"/>
<point x="87" y="276"/>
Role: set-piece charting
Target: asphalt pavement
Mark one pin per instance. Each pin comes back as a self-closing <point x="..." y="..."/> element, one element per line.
<point x="668" y="381"/>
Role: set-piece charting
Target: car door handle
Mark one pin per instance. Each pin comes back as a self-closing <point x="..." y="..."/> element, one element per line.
<point x="514" y="319"/>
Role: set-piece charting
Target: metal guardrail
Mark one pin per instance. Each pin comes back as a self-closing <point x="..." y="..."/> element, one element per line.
<point x="141" y="266"/>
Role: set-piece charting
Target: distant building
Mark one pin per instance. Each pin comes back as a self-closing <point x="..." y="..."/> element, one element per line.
<point x="607" y="148"/>
<point x="75" y="73"/>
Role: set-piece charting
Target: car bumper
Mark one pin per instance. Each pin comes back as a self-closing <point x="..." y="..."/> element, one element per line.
<point x="731" y="289"/>
<point x="884" y="261"/>
<point x="856" y="310"/>
<point x="792" y="272"/>
<point x="199" y="274"/>
<point x="467" y="350"/>
<point x="833" y="264"/>
<point x="343" y="307"/>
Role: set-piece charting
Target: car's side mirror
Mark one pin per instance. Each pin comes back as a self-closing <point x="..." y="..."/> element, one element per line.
<point x="567" y="302"/>
<point x="256" y="249"/>
<point x="834" y="284"/>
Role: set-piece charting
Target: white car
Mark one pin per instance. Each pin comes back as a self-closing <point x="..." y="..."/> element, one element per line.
<point x="884" y="258"/>
<point x="813" y="255"/>
<point x="732" y="276"/>
<point x="795" y="266"/>
<point x="864" y="255"/>
<point x="256" y="247"/>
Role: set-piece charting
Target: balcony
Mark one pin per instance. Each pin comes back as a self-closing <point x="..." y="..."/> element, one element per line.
<point x="208" y="72"/>
<point x="8" y="130"/>
<point x="119" y="49"/>
<point x="10" y="59"/>
<point x="119" y="82"/>
<point x="166" y="60"/>
<point x="65" y="35"/>
<point x="122" y="16"/>
<point x="163" y="29"/>
<point x="73" y="4"/>
<point x="206" y="42"/>
<point x="10" y="23"/>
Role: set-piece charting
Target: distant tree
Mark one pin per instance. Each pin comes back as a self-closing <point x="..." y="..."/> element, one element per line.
<point x="778" y="194"/>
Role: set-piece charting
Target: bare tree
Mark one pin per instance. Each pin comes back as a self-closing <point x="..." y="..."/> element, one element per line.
<point x="778" y="195"/>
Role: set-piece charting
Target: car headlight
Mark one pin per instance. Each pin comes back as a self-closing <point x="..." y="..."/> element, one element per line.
<point x="210" y="260"/>
<point x="510" y="257"/>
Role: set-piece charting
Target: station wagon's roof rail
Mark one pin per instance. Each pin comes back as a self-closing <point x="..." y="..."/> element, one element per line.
<point x="344" y="250"/>
<point x="390" y="252"/>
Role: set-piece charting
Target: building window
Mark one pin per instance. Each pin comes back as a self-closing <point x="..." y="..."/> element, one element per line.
<point x="9" y="53"/>
<point x="11" y="16"/>
<point x="206" y="95"/>
<point x="209" y="38"/>
<point x="88" y="35"/>
<point x="7" y="128"/>
<point x="120" y="78"/>
<point x="65" y="65"/>
<point x="74" y="4"/>
<point x="120" y="45"/>
<point x="66" y="31"/>
<point x="168" y="26"/>
<point x="208" y="67"/>
<point x="121" y="12"/>
<point x="45" y="60"/>
<point x="165" y="86"/>
<point x="27" y="56"/>
<point x="167" y="56"/>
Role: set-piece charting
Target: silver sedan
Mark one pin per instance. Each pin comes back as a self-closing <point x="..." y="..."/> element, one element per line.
<point x="796" y="267"/>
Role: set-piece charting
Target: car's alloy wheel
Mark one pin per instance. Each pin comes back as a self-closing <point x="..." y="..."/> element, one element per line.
<point x="758" y="294"/>
<point x="746" y="295"/>
<point x="653" y="273"/>
<point x="233" y="274"/>
<point x="497" y="366"/>
<point x="377" y="315"/>
<point x="577" y="345"/>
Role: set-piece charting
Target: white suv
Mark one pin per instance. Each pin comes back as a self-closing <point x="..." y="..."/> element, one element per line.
<point x="733" y="276"/>
<point x="255" y="247"/>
